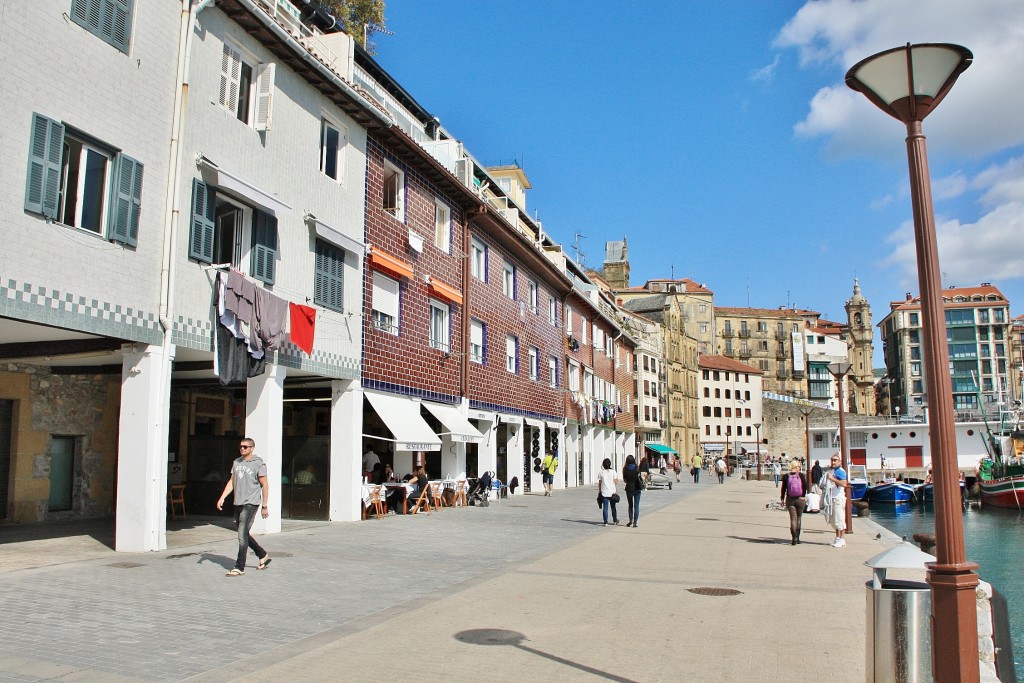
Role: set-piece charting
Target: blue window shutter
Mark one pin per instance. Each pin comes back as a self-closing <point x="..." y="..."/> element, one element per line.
<point x="328" y="276"/>
<point x="111" y="20"/>
<point x="264" y="246"/>
<point x="204" y="220"/>
<point x="44" y="156"/>
<point x="127" y="204"/>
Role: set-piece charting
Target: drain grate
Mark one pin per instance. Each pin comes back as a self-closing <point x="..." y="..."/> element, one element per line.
<point x="715" y="592"/>
<point x="126" y="565"/>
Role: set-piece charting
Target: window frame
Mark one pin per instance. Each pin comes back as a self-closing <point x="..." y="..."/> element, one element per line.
<point x="533" y="360"/>
<point x="511" y="354"/>
<point x="442" y="226"/>
<point x="440" y="328"/>
<point x="329" y="281"/>
<point x="474" y="357"/>
<point x="379" y="317"/>
<point x="478" y="259"/>
<point x="339" y="151"/>
<point x="533" y="296"/>
<point x="258" y="88"/>
<point x="508" y="280"/>
<point x="553" y="372"/>
<point x="394" y="177"/>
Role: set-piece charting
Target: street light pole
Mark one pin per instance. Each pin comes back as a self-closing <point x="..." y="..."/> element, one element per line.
<point x="757" y="426"/>
<point x="907" y="83"/>
<point x="806" y="412"/>
<point x="839" y="371"/>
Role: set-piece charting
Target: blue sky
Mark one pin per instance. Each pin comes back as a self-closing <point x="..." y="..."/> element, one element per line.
<point x="720" y="139"/>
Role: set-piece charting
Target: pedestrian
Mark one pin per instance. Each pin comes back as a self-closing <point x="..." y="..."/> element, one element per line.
<point x="249" y="484"/>
<point x="696" y="465"/>
<point x="777" y="471"/>
<point x="634" y="487"/>
<point x="720" y="468"/>
<point x="816" y="473"/>
<point x="677" y="466"/>
<point x="606" y="483"/>
<point x="662" y="464"/>
<point x="548" y="467"/>
<point x="793" y="495"/>
<point x="834" y="501"/>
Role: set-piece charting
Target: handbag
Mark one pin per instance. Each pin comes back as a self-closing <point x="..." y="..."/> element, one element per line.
<point x="641" y="484"/>
<point x="615" y="498"/>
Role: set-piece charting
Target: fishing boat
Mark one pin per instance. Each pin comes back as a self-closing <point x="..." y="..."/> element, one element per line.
<point x="892" y="492"/>
<point x="858" y="482"/>
<point x="1000" y="474"/>
<point x="926" y="492"/>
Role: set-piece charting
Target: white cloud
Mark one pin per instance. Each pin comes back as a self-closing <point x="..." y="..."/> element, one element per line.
<point x="766" y="73"/>
<point x="950" y="187"/>
<point x="982" y="113"/>
<point x="882" y="202"/>
<point x="1002" y="183"/>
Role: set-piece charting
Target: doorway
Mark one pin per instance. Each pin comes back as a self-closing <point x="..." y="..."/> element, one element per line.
<point x="6" y="446"/>
<point x="62" y="473"/>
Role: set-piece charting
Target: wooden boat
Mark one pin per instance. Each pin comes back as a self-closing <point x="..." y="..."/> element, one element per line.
<point x="926" y="492"/>
<point x="892" y="492"/>
<point x="1001" y="476"/>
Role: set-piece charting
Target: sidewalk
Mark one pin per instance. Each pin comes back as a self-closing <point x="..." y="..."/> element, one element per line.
<point x="529" y="589"/>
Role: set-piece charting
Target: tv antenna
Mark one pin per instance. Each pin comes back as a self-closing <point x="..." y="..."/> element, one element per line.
<point x="581" y="256"/>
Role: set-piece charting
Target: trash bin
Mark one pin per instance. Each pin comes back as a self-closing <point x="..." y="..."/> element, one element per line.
<point x="899" y="638"/>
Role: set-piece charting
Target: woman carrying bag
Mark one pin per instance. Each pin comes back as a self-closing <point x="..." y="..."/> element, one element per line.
<point x="634" y="486"/>
<point x="794" y="496"/>
<point x="606" y="482"/>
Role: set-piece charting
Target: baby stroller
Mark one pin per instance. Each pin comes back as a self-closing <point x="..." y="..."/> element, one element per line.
<point x="478" y="494"/>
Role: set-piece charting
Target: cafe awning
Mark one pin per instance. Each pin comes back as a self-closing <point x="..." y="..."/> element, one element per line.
<point x="661" y="448"/>
<point x="402" y="417"/>
<point x="458" y="426"/>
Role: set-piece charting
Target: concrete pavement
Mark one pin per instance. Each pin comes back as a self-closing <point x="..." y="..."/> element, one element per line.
<point x="531" y="588"/>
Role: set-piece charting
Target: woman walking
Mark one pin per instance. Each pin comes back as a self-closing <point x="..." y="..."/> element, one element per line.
<point x="606" y="482"/>
<point x="631" y="476"/>
<point x="793" y="495"/>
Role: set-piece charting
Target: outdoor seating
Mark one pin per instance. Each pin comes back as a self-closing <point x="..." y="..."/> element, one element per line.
<point x="435" y="494"/>
<point x="375" y="501"/>
<point x="176" y="498"/>
<point x="423" y="501"/>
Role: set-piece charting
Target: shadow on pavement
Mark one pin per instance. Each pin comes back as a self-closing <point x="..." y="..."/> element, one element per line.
<point x="762" y="539"/>
<point x="500" y="636"/>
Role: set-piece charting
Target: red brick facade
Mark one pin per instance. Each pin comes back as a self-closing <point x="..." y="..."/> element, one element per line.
<point x="406" y="363"/>
<point x="491" y="385"/>
<point x="603" y="366"/>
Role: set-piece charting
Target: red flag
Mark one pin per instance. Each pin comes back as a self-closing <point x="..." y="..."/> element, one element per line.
<point x="303" y="319"/>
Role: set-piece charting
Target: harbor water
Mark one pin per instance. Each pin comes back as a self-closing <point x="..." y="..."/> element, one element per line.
<point x="993" y="538"/>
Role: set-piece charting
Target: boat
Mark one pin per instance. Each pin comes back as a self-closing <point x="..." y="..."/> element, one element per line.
<point x="1001" y="475"/>
<point x="858" y="482"/>
<point x="892" y="492"/>
<point x="926" y="492"/>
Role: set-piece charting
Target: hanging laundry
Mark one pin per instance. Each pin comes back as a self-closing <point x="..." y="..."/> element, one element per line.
<point x="270" y="314"/>
<point x="232" y="362"/>
<point x="303" y="326"/>
<point x="237" y="300"/>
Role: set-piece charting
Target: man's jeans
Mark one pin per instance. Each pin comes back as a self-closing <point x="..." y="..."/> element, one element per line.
<point x="633" y="499"/>
<point x="245" y="515"/>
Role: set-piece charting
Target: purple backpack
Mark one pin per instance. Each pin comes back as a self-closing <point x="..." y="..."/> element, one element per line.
<point x="794" y="487"/>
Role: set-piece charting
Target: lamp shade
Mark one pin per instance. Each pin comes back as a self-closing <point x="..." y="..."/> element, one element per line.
<point x="908" y="82"/>
<point x="839" y="369"/>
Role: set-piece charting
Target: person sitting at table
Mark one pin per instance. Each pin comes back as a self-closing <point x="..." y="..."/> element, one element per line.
<point x="306" y="476"/>
<point x="376" y="473"/>
<point x="419" y="482"/>
<point x="387" y="475"/>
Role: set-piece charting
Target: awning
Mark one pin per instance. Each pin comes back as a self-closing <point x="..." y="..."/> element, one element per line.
<point x="444" y="291"/>
<point x="245" y="190"/>
<point x="382" y="259"/>
<point x="661" y="448"/>
<point x="458" y="427"/>
<point x="402" y="416"/>
<point x="335" y="236"/>
<point x="556" y="426"/>
<point x="533" y="422"/>
<point x="482" y="415"/>
<point x="511" y="419"/>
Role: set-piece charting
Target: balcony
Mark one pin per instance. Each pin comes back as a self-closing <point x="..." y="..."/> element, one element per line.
<point x="727" y="333"/>
<point x="781" y="336"/>
<point x="744" y="334"/>
<point x="745" y="353"/>
<point x="782" y="373"/>
<point x="781" y="354"/>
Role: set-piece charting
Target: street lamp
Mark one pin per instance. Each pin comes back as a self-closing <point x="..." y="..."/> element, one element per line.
<point x="839" y="371"/>
<point x="806" y="412"/>
<point x="908" y="83"/>
<point x="888" y="381"/>
<point x="757" y="426"/>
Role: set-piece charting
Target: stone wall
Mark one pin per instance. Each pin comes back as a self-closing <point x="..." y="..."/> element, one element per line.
<point x="86" y="407"/>
<point x="783" y="426"/>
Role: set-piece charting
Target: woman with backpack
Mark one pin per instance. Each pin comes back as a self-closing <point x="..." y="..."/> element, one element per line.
<point x="793" y="496"/>
<point x="634" y="486"/>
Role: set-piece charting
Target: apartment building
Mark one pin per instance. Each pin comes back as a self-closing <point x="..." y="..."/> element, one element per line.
<point x="730" y="406"/>
<point x="696" y="304"/>
<point x="649" y="379"/>
<point x="770" y="339"/>
<point x="978" y="330"/>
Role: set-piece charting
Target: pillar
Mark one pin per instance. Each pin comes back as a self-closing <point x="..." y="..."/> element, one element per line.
<point x="264" y="424"/>
<point x="346" y="451"/>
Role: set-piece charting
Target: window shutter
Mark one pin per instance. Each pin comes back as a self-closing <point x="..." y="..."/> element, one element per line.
<point x="264" y="95"/>
<point x="111" y="20"/>
<point x="230" y="77"/>
<point x="264" y="246"/>
<point x="385" y="295"/>
<point x="120" y="13"/>
<point x="44" y="155"/>
<point x="204" y="200"/>
<point x="329" y="276"/>
<point x="127" y="201"/>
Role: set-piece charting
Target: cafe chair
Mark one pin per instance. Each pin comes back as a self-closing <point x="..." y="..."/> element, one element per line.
<point x="423" y="502"/>
<point x="375" y="501"/>
<point x="435" y="495"/>
<point x="461" y="486"/>
<point x="176" y="497"/>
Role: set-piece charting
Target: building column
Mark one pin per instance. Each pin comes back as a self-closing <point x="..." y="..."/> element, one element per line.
<point x="264" y="424"/>
<point x="346" y="501"/>
<point x="141" y="515"/>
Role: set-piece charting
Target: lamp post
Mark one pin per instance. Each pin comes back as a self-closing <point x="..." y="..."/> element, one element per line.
<point x="757" y="427"/>
<point x="888" y="397"/>
<point x="806" y="412"/>
<point x="908" y="83"/>
<point x="839" y="371"/>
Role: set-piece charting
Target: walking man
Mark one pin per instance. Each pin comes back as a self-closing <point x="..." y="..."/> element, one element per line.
<point x="720" y="468"/>
<point x="695" y="467"/>
<point x="548" y="467"/>
<point x="249" y="483"/>
<point x="835" y="500"/>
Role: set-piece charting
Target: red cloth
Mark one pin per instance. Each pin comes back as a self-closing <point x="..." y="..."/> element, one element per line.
<point x="303" y="319"/>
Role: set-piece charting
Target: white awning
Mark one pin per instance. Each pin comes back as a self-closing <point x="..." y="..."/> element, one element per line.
<point x="532" y="422"/>
<point x="511" y="419"/>
<point x="402" y="416"/>
<point x="554" y="425"/>
<point x="457" y="426"/>
<point x="482" y="415"/>
<point x="335" y="236"/>
<point x="245" y="190"/>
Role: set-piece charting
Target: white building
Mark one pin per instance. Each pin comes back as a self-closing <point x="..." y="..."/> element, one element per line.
<point x="730" y="406"/>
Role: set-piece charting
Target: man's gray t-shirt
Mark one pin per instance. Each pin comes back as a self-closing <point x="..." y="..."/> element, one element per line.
<point x="245" y="474"/>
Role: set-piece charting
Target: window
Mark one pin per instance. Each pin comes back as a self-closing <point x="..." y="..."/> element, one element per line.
<point x="703" y="308"/>
<point x="553" y="371"/>
<point x="574" y="376"/>
<point x="333" y="140"/>
<point x="703" y="328"/>
<point x="477" y="340"/>
<point x="218" y="233"/>
<point x="568" y="319"/>
<point x="80" y="184"/>
<point x="328" y="276"/>
<point x="707" y="392"/>
<point x="439" y="326"/>
<point x="442" y="226"/>
<point x="478" y="260"/>
<point x="553" y="311"/>
<point x="509" y="281"/>
<point x="583" y="330"/>
<point x="588" y="382"/>
<point x="762" y="326"/>
<point x="394" y="191"/>
<point x="914" y="320"/>
<point x="110" y="20"/>
<point x="385" y="303"/>
<point x="533" y="296"/>
<point x="511" y="351"/>
<point x="246" y="87"/>
<point x="534" y="359"/>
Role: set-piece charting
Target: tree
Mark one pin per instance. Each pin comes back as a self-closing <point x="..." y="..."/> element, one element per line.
<point x="358" y="18"/>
